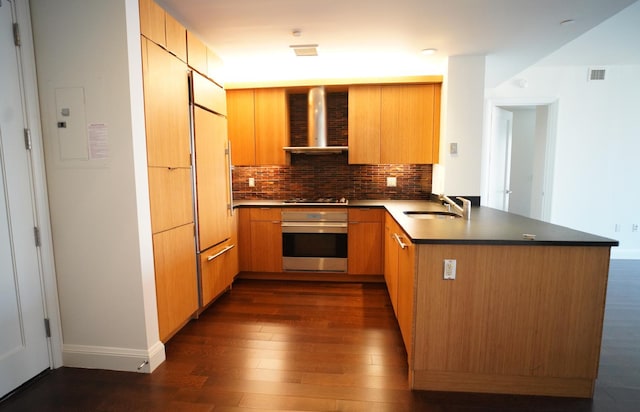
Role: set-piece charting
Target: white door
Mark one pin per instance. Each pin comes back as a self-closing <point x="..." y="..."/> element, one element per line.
<point x="24" y="348"/>
<point x="500" y="159"/>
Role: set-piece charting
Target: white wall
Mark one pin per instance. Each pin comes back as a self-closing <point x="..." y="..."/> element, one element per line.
<point x="461" y="117"/>
<point x="99" y="208"/>
<point x="596" y="166"/>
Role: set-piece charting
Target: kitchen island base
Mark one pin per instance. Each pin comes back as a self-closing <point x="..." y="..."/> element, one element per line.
<point x="516" y="319"/>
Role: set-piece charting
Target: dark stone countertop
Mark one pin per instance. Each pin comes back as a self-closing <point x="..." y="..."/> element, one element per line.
<point x="487" y="226"/>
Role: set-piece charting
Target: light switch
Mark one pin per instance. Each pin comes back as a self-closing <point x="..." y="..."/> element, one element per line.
<point x="252" y="182"/>
<point x="449" y="269"/>
<point x="453" y="148"/>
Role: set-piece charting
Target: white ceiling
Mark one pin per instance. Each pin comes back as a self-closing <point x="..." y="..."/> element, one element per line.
<point x="373" y="38"/>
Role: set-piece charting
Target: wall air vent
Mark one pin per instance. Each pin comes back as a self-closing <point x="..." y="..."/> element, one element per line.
<point x="596" y="74"/>
<point x="302" y="50"/>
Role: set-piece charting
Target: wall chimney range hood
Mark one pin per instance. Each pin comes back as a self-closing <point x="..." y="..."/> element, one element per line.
<point x="317" y="117"/>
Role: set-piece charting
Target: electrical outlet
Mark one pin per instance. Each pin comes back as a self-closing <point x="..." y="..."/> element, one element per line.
<point x="392" y="181"/>
<point x="252" y="182"/>
<point x="634" y="227"/>
<point x="449" y="269"/>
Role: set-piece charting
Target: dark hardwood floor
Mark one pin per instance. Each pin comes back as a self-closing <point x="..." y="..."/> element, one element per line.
<point x="320" y="347"/>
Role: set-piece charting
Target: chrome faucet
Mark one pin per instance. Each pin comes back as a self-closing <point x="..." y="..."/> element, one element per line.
<point x="465" y="210"/>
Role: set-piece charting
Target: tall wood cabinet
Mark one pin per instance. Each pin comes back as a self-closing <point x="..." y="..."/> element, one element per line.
<point x="258" y="126"/>
<point x="394" y="124"/>
<point x="170" y="189"/>
<point x="168" y="52"/>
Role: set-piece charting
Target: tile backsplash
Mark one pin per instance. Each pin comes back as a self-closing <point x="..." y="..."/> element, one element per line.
<point x="312" y="176"/>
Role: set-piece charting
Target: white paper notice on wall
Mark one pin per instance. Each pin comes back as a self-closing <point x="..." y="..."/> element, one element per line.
<point x="98" y="141"/>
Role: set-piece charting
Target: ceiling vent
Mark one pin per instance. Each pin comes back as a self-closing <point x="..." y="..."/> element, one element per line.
<point x="596" y="74"/>
<point x="303" y="50"/>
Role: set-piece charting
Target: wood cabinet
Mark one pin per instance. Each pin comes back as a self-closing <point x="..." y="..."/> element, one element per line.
<point x="258" y="126"/>
<point x="208" y="94"/>
<point x="218" y="267"/>
<point x="170" y="197"/>
<point x="517" y="319"/>
<point x="166" y="101"/>
<point x="260" y="239"/>
<point x="162" y="29"/>
<point x="212" y="178"/>
<point x="394" y="124"/>
<point x="365" y="241"/>
<point x="176" y="286"/>
<point x="196" y="53"/>
<point x="399" y="274"/>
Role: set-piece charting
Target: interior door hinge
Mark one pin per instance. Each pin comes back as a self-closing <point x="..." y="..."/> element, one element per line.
<point x="27" y="139"/>
<point x="47" y="327"/>
<point x="16" y="34"/>
<point x="36" y="235"/>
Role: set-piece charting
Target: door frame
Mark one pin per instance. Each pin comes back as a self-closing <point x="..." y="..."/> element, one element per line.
<point x="26" y="56"/>
<point x="552" y="104"/>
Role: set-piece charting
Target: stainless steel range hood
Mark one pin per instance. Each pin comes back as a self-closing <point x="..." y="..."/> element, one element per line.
<point x="317" y="116"/>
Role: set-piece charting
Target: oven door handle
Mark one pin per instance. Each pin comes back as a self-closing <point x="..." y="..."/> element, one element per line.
<point x="313" y="227"/>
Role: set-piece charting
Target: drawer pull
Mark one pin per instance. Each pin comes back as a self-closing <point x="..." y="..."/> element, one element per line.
<point x="400" y="242"/>
<point x="225" y="250"/>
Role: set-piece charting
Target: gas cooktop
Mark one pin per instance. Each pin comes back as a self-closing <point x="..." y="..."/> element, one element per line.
<point x="319" y="200"/>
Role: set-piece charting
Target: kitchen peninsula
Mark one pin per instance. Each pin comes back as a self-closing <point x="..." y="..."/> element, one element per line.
<point x="523" y="314"/>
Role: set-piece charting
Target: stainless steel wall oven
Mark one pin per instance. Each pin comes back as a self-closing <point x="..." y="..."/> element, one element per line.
<point x="314" y="240"/>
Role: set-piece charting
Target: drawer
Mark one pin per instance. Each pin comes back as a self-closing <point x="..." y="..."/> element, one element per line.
<point x="265" y="213"/>
<point x="366" y="214"/>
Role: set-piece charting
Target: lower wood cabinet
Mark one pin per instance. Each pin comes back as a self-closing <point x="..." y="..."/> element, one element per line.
<point x="218" y="267"/>
<point x="176" y="282"/>
<point x="399" y="274"/>
<point x="365" y="241"/>
<point x="260" y="239"/>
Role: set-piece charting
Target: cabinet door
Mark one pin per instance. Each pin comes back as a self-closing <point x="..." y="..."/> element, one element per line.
<point x="176" y="36"/>
<point x="170" y="196"/>
<point x="271" y="126"/>
<point x="240" y="112"/>
<point x="196" y="53"/>
<point x="244" y="239"/>
<point x="208" y="94"/>
<point x="166" y="99"/>
<point x="216" y="271"/>
<point x="364" y="124"/>
<point x="406" y="273"/>
<point x="391" y="249"/>
<point x="406" y="124"/>
<point x="212" y="178"/>
<point x="366" y="238"/>
<point x="266" y="246"/>
<point x="152" y="21"/>
<point x="176" y="285"/>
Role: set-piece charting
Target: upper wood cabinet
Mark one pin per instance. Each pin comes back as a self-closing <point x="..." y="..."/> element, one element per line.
<point x="161" y="28"/>
<point x="258" y="126"/>
<point x="394" y="124"/>
<point x="208" y="94"/>
<point x="166" y="97"/>
<point x="196" y="53"/>
<point x="364" y="124"/>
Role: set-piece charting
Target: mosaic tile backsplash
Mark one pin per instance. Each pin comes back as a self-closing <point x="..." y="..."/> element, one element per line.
<point x="311" y="176"/>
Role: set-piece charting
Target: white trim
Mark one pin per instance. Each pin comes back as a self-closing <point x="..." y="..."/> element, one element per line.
<point x="41" y="196"/>
<point x="552" y="103"/>
<point x="117" y="359"/>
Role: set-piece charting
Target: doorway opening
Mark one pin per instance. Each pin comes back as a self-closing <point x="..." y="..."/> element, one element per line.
<point x="520" y="157"/>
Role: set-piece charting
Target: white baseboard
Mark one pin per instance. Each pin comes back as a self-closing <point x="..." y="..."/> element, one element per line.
<point x="117" y="359"/>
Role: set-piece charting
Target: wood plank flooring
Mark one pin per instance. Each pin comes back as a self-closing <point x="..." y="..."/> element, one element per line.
<point x="299" y="346"/>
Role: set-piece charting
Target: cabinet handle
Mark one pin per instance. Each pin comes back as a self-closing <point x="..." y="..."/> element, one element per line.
<point x="225" y="250"/>
<point x="230" y="166"/>
<point x="400" y="242"/>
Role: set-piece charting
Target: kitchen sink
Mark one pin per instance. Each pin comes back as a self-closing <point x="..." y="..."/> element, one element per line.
<point x="431" y="214"/>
